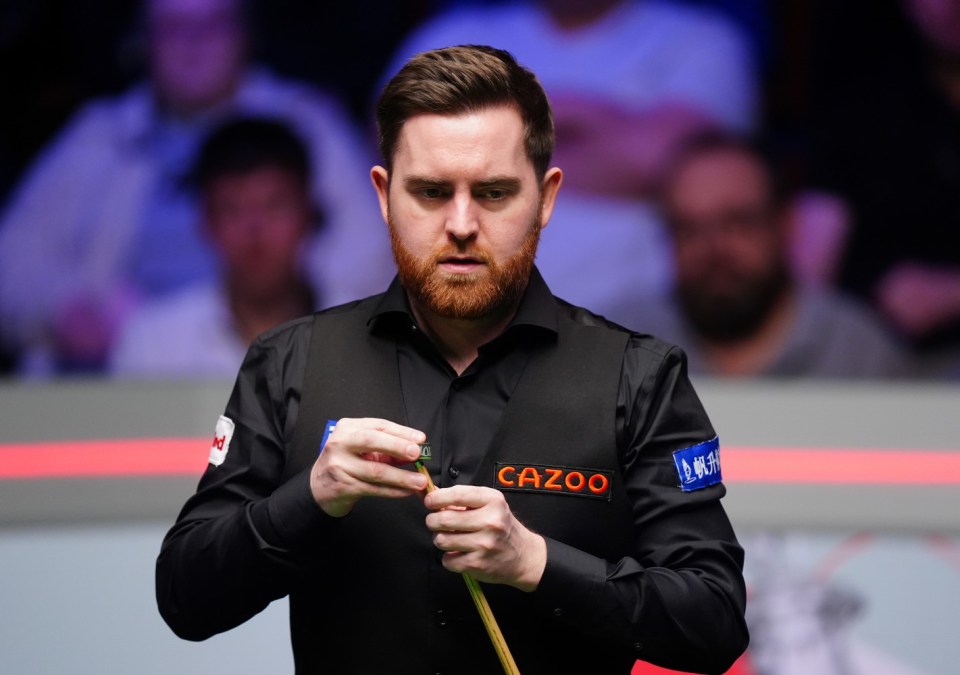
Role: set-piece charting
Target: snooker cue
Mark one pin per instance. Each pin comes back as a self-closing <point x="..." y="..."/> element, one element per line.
<point x="483" y="607"/>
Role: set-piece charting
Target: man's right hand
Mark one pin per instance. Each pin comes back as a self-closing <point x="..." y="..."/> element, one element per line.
<point x="361" y="459"/>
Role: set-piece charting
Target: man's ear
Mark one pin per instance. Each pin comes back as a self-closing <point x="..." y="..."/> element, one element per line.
<point x="381" y="183"/>
<point x="548" y="194"/>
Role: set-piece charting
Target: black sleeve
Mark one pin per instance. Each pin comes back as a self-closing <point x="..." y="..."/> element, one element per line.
<point x="235" y="545"/>
<point x="679" y="602"/>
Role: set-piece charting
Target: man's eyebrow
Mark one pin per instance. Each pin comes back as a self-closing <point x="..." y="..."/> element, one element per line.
<point x="509" y="182"/>
<point x="504" y="182"/>
<point x="424" y="181"/>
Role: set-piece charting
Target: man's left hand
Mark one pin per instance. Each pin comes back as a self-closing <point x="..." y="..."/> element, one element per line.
<point x="480" y="535"/>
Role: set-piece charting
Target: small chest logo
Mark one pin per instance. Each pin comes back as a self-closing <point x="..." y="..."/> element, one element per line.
<point x="564" y="480"/>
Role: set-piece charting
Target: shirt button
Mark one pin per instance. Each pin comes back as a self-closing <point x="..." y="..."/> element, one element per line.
<point x="457" y="385"/>
<point x="441" y="619"/>
<point x="453" y="471"/>
<point x="558" y="612"/>
<point x="638" y="646"/>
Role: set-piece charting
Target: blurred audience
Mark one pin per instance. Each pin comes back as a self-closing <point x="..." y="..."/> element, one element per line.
<point x="628" y="81"/>
<point x="737" y="309"/>
<point x="887" y="143"/>
<point x="103" y="221"/>
<point x="253" y="177"/>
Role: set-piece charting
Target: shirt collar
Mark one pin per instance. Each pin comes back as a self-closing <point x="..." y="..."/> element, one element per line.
<point x="537" y="310"/>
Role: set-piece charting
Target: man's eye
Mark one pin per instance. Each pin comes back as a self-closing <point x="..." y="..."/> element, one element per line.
<point x="494" y="194"/>
<point x="431" y="193"/>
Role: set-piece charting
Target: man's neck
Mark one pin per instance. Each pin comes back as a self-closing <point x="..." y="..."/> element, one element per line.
<point x="754" y="354"/>
<point x="459" y="340"/>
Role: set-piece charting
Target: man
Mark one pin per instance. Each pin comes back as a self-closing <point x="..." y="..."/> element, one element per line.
<point x="627" y="82"/>
<point x="254" y="177"/>
<point x="556" y="438"/>
<point x="736" y="309"/>
<point x="102" y="222"/>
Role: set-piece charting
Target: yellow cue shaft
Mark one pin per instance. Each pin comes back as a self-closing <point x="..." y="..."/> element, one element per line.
<point x="483" y="607"/>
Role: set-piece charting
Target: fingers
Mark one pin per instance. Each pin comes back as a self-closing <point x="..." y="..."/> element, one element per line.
<point x="479" y="534"/>
<point x="467" y="518"/>
<point x="467" y="496"/>
<point x="338" y="481"/>
<point x="465" y="521"/>
<point x="379" y="438"/>
<point x="371" y="477"/>
<point x="360" y="459"/>
<point x="472" y="521"/>
<point x="467" y="508"/>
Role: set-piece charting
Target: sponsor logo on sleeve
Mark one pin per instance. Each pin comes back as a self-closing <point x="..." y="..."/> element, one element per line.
<point x="699" y="466"/>
<point x="221" y="440"/>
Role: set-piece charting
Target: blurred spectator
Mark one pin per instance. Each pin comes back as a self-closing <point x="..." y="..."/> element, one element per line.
<point x="254" y="182"/>
<point x="887" y="141"/>
<point x="627" y="81"/>
<point x="736" y="309"/>
<point x="103" y="221"/>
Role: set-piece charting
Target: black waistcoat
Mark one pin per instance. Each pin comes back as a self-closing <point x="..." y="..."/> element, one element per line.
<point x="379" y="601"/>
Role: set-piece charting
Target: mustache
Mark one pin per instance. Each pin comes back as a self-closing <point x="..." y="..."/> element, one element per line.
<point x="461" y="251"/>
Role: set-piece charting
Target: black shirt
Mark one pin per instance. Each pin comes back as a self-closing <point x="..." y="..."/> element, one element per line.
<point x="232" y="549"/>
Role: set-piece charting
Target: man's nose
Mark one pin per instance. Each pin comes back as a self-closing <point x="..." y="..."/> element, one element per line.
<point x="462" y="220"/>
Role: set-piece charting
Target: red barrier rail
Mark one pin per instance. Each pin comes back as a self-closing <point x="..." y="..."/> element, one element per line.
<point x="188" y="457"/>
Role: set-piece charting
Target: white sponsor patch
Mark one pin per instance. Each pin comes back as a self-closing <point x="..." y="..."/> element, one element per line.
<point x="221" y="440"/>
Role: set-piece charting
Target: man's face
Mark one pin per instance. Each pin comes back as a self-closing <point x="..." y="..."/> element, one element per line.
<point x="197" y="51"/>
<point x="465" y="210"/>
<point x="729" y="243"/>
<point x="257" y="221"/>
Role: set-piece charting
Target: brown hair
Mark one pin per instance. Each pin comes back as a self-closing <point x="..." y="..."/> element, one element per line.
<point x="464" y="79"/>
<point x="244" y="144"/>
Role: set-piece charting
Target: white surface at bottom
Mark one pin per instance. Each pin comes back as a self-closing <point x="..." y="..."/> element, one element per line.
<point x="80" y="601"/>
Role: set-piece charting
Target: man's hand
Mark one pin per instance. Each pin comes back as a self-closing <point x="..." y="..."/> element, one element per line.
<point x="480" y="535"/>
<point x="360" y="459"/>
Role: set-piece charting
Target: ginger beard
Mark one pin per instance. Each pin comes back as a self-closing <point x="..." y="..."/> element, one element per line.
<point x="466" y="296"/>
